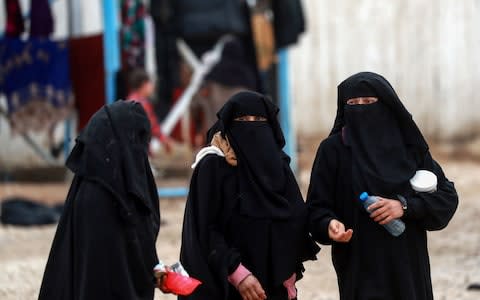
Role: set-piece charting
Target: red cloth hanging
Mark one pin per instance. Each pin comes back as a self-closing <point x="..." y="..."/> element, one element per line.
<point x="88" y="76"/>
<point x="14" y="26"/>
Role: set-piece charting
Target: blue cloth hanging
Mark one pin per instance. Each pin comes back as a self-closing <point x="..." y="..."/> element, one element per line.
<point x="34" y="76"/>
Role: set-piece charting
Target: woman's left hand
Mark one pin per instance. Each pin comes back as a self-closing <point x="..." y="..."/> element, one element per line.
<point x="161" y="277"/>
<point x="386" y="210"/>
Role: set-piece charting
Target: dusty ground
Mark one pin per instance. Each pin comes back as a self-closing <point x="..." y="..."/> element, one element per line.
<point x="454" y="252"/>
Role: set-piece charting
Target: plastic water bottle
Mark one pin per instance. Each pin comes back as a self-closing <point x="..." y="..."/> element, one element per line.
<point x="396" y="227"/>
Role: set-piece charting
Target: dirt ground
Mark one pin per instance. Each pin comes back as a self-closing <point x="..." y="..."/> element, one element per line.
<point x="454" y="252"/>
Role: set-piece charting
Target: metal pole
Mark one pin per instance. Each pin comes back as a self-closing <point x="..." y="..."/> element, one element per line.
<point x="111" y="47"/>
<point x="172" y="192"/>
<point x="285" y="101"/>
<point x="75" y="16"/>
<point x="74" y="28"/>
<point x="200" y="70"/>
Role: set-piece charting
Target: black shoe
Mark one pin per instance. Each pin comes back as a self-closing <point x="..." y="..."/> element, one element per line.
<point x="474" y="287"/>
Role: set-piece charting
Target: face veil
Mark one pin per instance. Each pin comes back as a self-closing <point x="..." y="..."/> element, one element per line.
<point x="263" y="174"/>
<point x="387" y="146"/>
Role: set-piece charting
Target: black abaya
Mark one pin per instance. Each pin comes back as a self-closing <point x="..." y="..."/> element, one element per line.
<point x="104" y="247"/>
<point x="233" y="216"/>
<point x="374" y="264"/>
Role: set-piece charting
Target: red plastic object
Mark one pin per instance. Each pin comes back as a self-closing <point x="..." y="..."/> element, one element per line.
<point x="180" y="285"/>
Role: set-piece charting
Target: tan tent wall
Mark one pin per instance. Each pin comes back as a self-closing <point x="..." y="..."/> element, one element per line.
<point x="429" y="50"/>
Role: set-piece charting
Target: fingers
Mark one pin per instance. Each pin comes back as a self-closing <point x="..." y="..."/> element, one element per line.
<point x="259" y="291"/>
<point x="162" y="287"/>
<point x="343" y="237"/>
<point x="383" y="216"/>
<point x="378" y="211"/>
<point x="386" y="220"/>
<point x="386" y="211"/>
<point x="376" y="205"/>
<point x="336" y="232"/>
<point x="348" y="235"/>
<point x="251" y="289"/>
<point x="335" y="226"/>
<point x="253" y="295"/>
<point x="249" y="295"/>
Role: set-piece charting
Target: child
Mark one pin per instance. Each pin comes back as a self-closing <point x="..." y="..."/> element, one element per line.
<point x="140" y="89"/>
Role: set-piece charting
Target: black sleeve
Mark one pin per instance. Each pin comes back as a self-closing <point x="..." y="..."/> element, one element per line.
<point x="433" y="210"/>
<point x="321" y="194"/>
<point x="220" y="254"/>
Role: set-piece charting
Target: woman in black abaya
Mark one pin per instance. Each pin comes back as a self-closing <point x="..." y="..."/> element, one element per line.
<point x="376" y="147"/>
<point x="245" y="232"/>
<point x="104" y="247"/>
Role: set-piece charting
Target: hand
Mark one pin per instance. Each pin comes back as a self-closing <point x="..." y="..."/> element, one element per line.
<point x="251" y="289"/>
<point x="386" y="210"/>
<point x="161" y="277"/>
<point x="336" y="232"/>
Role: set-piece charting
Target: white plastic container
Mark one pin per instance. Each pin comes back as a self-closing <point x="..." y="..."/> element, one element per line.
<point x="424" y="182"/>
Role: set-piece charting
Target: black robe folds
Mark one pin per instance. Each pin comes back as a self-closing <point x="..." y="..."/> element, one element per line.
<point x="104" y="247"/>
<point x="216" y="237"/>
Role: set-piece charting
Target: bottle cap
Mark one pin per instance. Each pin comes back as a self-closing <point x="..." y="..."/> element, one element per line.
<point x="363" y="196"/>
<point x="424" y="181"/>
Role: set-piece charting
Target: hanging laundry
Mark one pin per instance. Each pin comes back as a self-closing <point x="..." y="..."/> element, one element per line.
<point x="132" y="43"/>
<point x="15" y="26"/>
<point x="34" y="75"/>
<point x="133" y="33"/>
<point x="41" y="19"/>
<point x="88" y="76"/>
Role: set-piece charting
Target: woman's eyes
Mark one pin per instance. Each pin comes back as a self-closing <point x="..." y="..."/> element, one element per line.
<point x="251" y="119"/>
<point x="260" y="119"/>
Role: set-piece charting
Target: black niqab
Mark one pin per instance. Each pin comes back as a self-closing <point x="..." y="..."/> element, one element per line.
<point x="261" y="161"/>
<point x="387" y="146"/>
<point x="104" y="247"/>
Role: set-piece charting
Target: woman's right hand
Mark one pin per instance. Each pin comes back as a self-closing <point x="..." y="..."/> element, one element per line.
<point x="251" y="289"/>
<point x="336" y="232"/>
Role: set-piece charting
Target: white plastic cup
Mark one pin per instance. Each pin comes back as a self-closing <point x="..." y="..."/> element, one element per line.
<point x="424" y="181"/>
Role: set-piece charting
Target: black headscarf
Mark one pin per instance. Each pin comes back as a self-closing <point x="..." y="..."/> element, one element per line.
<point x="261" y="161"/>
<point x="113" y="194"/>
<point x="387" y="146"/>
<point x="113" y="150"/>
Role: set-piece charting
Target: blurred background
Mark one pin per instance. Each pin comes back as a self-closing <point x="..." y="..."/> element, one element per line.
<point x="61" y="60"/>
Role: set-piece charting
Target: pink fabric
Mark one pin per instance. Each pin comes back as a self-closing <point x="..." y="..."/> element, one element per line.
<point x="239" y="275"/>
<point x="289" y="284"/>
